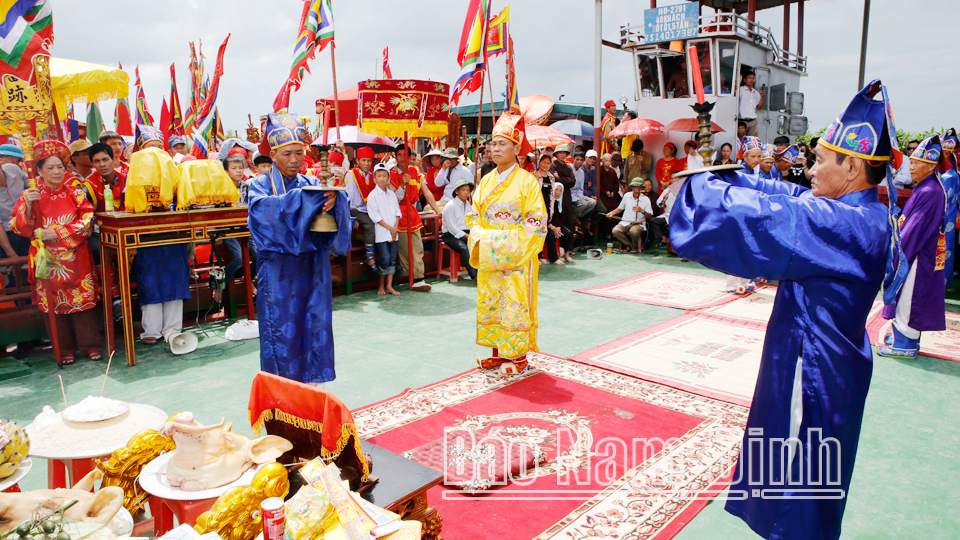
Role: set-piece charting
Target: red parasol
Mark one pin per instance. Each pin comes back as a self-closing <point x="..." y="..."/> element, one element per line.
<point x="536" y="109"/>
<point x="691" y="124"/>
<point x="543" y="136"/>
<point x="637" y="126"/>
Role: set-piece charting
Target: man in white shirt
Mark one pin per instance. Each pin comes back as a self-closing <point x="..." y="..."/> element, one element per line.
<point x="903" y="178"/>
<point x="455" y="230"/>
<point x="694" y="160"/>
<point x="451" y="173"/>
<point x="658" y="225"/>
<point x="636" y="209"/>
<point x="750" y="101"/>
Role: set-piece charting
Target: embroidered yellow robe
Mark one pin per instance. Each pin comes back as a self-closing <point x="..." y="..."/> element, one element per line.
<point x="508" y="225"/>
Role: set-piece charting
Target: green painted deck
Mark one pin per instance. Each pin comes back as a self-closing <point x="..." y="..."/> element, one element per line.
<point x="908" y="464"/>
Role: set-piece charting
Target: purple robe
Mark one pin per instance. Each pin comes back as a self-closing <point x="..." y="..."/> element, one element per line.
<point x="920" y="228"/>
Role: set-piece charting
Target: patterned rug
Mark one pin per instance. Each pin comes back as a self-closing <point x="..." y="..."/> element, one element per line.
<point x="945" y="344"/>
<point x="592" y="483"/>
<point x="669" y="289"/>
<point x="710" y="356"/>
<point x="755" y="307"/>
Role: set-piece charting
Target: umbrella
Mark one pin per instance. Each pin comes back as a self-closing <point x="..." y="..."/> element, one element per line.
<point x="637" y="126"/>
<point x="577" y="129"/>
<point x="543" y="136"/>
<point x="536" y="109"/>
<point x="73" y="80"/>
<point x="355" y="139"/>
<point x="691" y="124"/>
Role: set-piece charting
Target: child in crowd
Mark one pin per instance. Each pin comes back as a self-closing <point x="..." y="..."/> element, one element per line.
<point x="384" y="212"/>
<point x="263" y="164"/>
<point x="455" y="230"/>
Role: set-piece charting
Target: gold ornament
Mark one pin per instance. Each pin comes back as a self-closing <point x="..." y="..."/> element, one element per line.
<point x="125" y="464"/>
<point x="236" y="514"/>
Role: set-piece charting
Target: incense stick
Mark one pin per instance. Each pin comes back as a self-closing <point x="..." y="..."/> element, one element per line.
<point x="107" y="373"/>
<point x="62" y="391"/>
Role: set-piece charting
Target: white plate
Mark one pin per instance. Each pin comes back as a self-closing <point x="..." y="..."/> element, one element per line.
<point x="17" y="475"/>
<point x="85" y="453"/>
<point x="153" y="480"/>
<point x="67" y="414"/>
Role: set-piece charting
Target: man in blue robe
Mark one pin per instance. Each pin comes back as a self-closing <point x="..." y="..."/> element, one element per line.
<point x="293" y="267"/>
<point x="951" y="182"/>
<point x="828" y="248"/>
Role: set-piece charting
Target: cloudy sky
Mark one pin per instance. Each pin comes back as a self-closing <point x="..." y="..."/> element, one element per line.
<point x="553" y="40"/>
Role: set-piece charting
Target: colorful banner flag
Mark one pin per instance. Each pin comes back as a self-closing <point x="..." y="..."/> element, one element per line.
<point x="513" y="97"/>
<point x="69" y="111"/>
<point x="26" y="31"/>
<point x="210" y="93"/>
<point x="143" y="113"/>
<point x="176" y="118"/>
<point x="315" y="32"/>
<point x="387" y="73"/>
<point x="94" y="122"/>
<point x="498" y="33"/>
<point x="472" y="53"/>
<point x="201" y="137"/>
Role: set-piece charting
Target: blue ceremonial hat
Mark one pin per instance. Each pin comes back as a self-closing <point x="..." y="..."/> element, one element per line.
<point x="283" y="129"/>
<point x="11" y="150"/>
<point x="175" y="140"/>
<point x="768" y="152"/>
<point x="929" y="150"/>
<point x="789" y="154"/>
<point x="146" y="134"/>
<point x="865" y="129"/>
<point x="948" y="141"/>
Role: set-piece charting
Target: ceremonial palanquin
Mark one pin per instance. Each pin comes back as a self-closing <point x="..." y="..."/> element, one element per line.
<point x="507" y="229"/>
<point x="70" y="215"/>
<point x="392" y="107"/>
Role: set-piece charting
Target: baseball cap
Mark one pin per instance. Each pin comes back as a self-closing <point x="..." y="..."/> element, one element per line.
<point x="592" y="153"/>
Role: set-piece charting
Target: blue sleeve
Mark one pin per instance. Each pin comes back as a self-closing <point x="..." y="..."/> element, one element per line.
<point x="281" y="223"/>
<point x="749" y="233"/>
<point x="770" y="187"/>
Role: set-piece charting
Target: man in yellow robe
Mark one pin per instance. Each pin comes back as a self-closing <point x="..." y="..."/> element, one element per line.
<point x="507" y="227"/>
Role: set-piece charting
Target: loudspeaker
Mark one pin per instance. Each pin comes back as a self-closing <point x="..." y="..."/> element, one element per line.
<point x="594" y="254"/>
<point x="182" y="343"/>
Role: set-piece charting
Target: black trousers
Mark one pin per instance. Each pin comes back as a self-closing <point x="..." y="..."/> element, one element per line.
<point x="657" y="226"/>
<point x="566" y="242"/>
<point x="460" y="246"/>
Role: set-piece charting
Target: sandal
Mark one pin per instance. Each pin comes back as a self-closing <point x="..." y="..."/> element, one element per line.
<point x="490" y="363"/>
<point x="516" y="367"/>
<point x="95" y="355"/>
<point x="67" y="360"/>
<point x="149" y="340"/>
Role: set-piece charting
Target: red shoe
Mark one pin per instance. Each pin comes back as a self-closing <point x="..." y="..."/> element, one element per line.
<point x="517" y="366"/>
<point x="490" y="363"/>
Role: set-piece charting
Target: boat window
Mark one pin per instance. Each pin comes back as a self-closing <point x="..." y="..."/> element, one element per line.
<point x="727" y="54"/>
<point x="706" y="66"/>
<point x="649" y="73"/>
<point x="676" y="77"/>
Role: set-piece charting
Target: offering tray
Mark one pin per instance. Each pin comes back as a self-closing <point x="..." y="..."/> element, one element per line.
<point x="153" y="480"/>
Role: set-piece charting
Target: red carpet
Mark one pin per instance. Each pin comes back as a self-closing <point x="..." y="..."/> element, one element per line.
<point x="669" y="289"/>
<point x="588" y="421"/>
<point x="945" y="344"/>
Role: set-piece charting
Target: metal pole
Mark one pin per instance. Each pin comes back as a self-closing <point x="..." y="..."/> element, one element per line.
<point x="800" y="26"/>
<point x="863" y="42"/>
<point x="653" y="4"/>
<point x="751" y="13"/>
<point x="786" y="25"/>
<point x="336" y="98"/>
<point x="597" y="55"/>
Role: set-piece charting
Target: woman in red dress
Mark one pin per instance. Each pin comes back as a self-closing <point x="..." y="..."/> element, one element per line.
<point x="64" y="220"/>
<point x="669" y="165"/>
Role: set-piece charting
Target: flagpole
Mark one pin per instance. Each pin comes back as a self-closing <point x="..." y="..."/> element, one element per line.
<point x="493" y="113"/>
<point x="479" y="124"/>
<point x="336" y="98"/>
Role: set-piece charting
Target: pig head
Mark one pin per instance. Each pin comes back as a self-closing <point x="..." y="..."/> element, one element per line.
<point x="208" y="457"/>
<point x="99" y="507"/>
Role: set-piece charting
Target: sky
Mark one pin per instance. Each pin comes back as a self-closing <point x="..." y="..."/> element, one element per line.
<point x="553" y="43"/>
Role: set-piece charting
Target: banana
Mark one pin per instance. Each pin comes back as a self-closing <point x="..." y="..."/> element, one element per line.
<point x="24" y="450"/>
<point x="15" y="434"/>
<point x="15" y="460"/>
<point x="7" y="450"/>
<point x="7" y="469"/>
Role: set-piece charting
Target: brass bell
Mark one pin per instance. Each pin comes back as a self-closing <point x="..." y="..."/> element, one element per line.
<point x="324" y="222"/>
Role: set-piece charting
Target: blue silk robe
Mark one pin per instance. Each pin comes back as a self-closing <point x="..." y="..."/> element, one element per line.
<point x="829" y="257"/>
<point x="163" y="273"/>
<point x="293" y="270"/>
<point x="951" y="183"/>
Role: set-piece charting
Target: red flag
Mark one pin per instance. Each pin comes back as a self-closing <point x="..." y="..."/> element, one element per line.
<point x="175" y="124"/>
<point x="215" y="85"/>
<point x="121" y="115"/>
<point x="387" y="74"/>
<point x="165" y="122"/>
<point x="282" y="101"/>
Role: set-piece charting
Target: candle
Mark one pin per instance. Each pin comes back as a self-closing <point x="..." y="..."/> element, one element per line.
<point x="695" y="66"/>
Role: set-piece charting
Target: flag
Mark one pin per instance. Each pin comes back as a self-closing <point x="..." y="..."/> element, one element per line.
<point x="176" y="119"/>
<point x="189" y="116"/>
<point x="143" y="114"/>
<point x="387" y="74"/>
<point x="472" y="52"/>
<point x="26" y="31"/>
<point x="316" y="31"/>
<point x="210" y="92"/>
<point x="165" y="121"/>
<point x="70" y="111"/>
<point x="498" y="33"/>
<point x="94" y="122"/>
<point x="201" y="137"/>
<point x="513" y="98"/>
